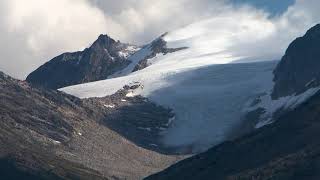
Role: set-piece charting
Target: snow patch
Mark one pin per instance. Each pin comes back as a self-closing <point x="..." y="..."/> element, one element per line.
<point x="128" y="51"/>
<point x="56" y="142"/>
<point x="130" y="94"/>
<point x="109" y="105"/>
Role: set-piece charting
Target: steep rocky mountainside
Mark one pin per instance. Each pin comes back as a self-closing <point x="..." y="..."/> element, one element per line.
<point x="286" y="149"/>
<point x="298" y="70"/>
<point x="47" y="134"/>
<point x="103" y="58"/>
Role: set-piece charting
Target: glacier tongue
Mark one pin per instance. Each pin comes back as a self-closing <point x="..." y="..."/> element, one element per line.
<point x="207" y="102"/>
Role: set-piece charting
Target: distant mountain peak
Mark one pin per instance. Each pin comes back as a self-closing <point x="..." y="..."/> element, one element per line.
<point x="104" y="36"/>
<point x="103" y="58"/>
<point x="104" y="41"/>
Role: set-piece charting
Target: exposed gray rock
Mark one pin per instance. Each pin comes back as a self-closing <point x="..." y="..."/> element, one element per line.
<point x="103" y="58"/>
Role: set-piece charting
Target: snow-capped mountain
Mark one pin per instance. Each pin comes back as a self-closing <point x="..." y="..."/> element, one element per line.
<point x="202" y="81"/>
<point x="103" y="58"/>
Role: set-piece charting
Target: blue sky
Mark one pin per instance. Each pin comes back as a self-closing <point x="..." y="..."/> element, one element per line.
<point x="273" y="6"/>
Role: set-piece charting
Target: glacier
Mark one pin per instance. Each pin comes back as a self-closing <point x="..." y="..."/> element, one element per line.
<point x="205" y="85"/>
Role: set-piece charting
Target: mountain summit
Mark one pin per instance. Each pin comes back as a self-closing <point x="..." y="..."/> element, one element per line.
<point x="104" y="57"/>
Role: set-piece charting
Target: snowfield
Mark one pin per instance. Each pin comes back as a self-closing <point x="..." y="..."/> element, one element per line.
<point x="203" y="84"/>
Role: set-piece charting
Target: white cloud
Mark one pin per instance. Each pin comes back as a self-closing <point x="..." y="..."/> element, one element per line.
<point x="144" y="19"/>
<point x="34" y="31"/>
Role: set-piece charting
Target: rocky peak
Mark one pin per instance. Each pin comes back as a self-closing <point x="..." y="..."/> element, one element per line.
<point x="105" y="39"/>
<point x="103" y="58"/>
<point x="298" y="70"/>
<point x="104" y="42"/>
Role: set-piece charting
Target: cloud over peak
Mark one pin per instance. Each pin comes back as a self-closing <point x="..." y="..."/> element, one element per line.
<point x="34" y="31"/>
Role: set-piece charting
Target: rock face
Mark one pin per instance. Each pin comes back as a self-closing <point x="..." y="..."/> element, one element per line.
<point x="298" y="70"/>
<point x="105" y="57"/>
<point x="46" y="134"/>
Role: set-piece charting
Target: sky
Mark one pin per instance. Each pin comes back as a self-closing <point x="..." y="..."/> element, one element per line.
<point x="34" y="31"/>
<point x="275" y="7"/>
